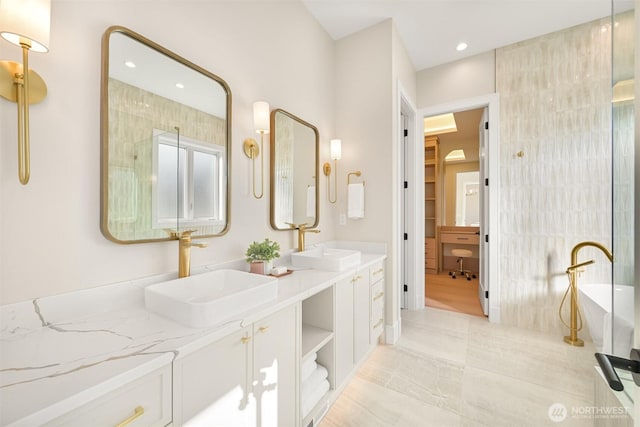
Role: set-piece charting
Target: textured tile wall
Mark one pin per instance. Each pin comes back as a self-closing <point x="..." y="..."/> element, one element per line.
<point x="555" y="96"/>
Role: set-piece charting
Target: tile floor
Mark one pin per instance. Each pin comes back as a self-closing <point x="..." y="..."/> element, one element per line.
<point x="453" y="369"/>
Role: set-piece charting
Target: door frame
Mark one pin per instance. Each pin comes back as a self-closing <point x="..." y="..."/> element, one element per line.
<point x="416" y="171"/>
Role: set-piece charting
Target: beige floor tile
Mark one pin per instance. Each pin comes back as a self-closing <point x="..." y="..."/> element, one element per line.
<point x="451" y="369"/>
<point x="497" y="400"/>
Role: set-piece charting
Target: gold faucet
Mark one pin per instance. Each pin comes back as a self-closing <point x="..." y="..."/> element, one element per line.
<point x="184" y="251"/>
<point x="572" y="271"/>
<point x="302" y="229"/>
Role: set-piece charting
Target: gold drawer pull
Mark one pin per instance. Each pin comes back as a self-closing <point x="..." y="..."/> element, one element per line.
<point x="378" y="271"/>
<point x="137" y="413"/>
<point x="378" y="323"/>
<point x="245" y="340"/>
<point x="356" y="278"/>
<point x="263" y="329"/>
<point x="377" y="297"/>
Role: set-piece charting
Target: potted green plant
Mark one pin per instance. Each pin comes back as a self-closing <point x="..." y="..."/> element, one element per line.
<point x="261" y="255"/>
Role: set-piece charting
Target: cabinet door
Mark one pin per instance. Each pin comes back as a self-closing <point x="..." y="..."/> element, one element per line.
<point x="361" y="303"/>
<point x="211" y="386"/>
<point x="274" y="369"/>
<point x="344" y="329"/>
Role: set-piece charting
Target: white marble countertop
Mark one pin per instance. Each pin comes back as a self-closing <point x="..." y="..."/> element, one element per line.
<point x="58" y="353"/>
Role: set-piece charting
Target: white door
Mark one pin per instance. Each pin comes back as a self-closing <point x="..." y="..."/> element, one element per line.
<point x="483" y="282"/>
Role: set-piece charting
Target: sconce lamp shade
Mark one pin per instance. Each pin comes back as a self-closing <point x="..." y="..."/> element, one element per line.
<point x="336" y="149"/>
<point x="261" y="116"/>
<point x="26" y="22"/>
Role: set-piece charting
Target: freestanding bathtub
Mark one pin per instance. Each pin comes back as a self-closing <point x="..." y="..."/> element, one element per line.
<point x="595" y="303"/>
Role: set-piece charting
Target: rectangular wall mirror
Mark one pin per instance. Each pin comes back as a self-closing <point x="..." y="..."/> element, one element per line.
<point x="294" y="172"/>
<point x="165" y="135"/>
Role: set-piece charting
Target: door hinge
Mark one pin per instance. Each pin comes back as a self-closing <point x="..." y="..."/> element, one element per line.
<point x="406" y="132"/>
<point x="406" y="288"/>
<point x="406" y="236"/>
<point x="406" y="185"/>
<point x="486" y="294"/>
<point x="486" y="238"/>
<point x="486" y="125"/>
<point x="486" y="182"/>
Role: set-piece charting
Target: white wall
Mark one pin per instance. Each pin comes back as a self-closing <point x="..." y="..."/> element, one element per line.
<point x="50" y="240"/>
<point x="366" y="93"/>
<point x="466" y="78"/>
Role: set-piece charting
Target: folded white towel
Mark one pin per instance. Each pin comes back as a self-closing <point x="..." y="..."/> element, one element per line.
<point x="308" y="402"/>
<point x="308" y="367"/>
<point x="314" y="380"/>
<point x="311" y="201"/>
<point x="355" y="202"/>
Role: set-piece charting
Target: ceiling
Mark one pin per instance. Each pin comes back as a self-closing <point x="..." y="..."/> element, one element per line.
<point x="431" y="29"/>
<point x="466" y="138"/>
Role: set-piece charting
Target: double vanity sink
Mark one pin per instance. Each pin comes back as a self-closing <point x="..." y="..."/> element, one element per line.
<point x="207" y="299"/>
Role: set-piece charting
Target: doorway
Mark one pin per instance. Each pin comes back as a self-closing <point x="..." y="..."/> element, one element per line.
<point x="490" y="236"/>
<point x="453" y="211"/>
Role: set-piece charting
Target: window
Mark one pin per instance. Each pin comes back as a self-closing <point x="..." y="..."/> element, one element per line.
<point x="187" y="182"/>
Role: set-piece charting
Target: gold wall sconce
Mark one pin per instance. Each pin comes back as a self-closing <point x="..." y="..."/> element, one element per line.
<point x="25" y="24"/>
<point x="336" y="154"/>
<point x="250" y="146"/>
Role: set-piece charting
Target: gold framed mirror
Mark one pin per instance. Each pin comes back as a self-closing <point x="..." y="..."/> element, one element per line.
<point x="165" y="143"/>
<point x="294" y="172"/>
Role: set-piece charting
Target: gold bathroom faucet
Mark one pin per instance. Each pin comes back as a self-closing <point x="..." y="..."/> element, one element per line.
<point x="184" y="251"/>
<point x="572" y="338"/>
<point x="302" y="229"/>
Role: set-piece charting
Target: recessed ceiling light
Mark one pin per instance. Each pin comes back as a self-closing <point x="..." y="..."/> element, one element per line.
<point x="179" y="85"/>
<point x="130" y="64"/>
<point x="461" y="46"/>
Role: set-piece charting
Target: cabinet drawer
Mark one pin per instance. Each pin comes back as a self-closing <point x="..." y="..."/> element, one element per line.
<point x="430" y="262"/>
<point x="377" y="311"/>
<point x="376" y="272"/>
<point x="465" y="238"/>
<point x="143" y="402"/>
<point x="429" y="245"/>
<point x="377" y="292"/>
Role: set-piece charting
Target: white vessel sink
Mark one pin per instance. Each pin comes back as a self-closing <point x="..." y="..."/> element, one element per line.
<point x="321" y="258"/>
<point x="207" y="299"/>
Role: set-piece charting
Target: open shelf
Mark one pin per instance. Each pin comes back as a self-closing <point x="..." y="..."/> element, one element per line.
<point x="313" y="338"/>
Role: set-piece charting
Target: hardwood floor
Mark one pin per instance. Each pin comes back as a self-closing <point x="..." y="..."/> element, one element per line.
<point x="460" y="294"/>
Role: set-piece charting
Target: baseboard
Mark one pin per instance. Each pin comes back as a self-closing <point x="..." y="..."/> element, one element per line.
<point x="392" y="333"/>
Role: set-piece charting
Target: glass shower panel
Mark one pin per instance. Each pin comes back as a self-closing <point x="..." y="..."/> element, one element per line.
<point x="623" y="25"/>
<point x="623" y="117"/>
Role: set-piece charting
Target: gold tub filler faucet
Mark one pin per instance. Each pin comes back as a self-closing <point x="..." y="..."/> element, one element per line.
<point x="575" y="321"/>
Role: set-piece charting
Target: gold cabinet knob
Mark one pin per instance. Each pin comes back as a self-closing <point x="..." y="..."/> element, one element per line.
<point x="263" y="329"/>
<point x="245" y="340"/>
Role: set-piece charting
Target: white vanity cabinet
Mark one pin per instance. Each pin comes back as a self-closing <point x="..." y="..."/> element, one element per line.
<point x="352" y="320"/>
<point x="145" y="401"/>
<point x="247" y="378"/>
<point x="361" y="315"/>
<point x="376" y="277"/>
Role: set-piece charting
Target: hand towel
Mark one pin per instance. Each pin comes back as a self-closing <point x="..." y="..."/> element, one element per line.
<point x="308" y="368"/>
<point x="355" y="202"/>
<point x="311" y="201"/>
<point x="312" y="400"/>
<point x="314" y="380"/>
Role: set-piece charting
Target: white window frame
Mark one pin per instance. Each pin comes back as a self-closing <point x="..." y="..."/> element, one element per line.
<point x="187" y="192"/>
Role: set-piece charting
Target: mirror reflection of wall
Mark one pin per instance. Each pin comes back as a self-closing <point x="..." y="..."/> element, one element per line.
<point x="294" y="171"/>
